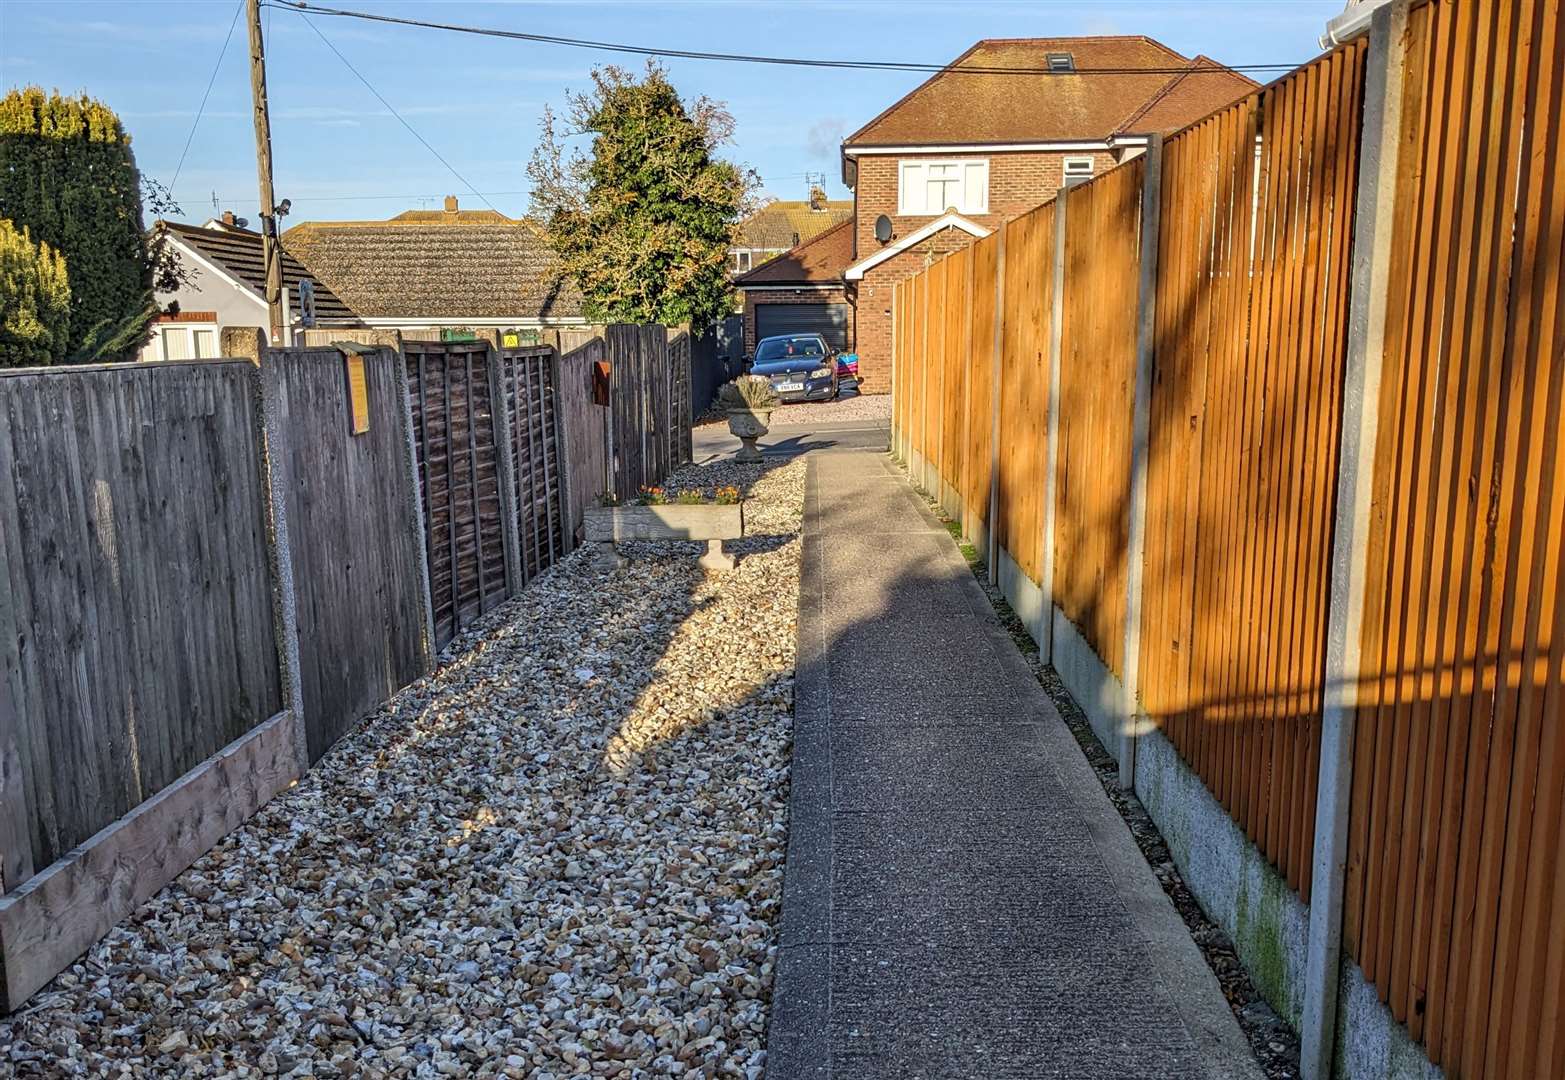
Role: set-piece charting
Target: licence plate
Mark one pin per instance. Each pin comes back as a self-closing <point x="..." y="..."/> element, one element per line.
<point x="784" y="387"/>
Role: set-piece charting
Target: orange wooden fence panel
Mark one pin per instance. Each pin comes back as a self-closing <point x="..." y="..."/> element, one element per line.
<point x="1251" y="331"/>
<point x="1024" y="385"/>
<point x="977" y="467"/>
<point x="918" y="318"/>
<point x="954" y="364"/>
<point x="1097" y="387"/>
<point x="1456" y="881"/>
<point x="934" y="366"/>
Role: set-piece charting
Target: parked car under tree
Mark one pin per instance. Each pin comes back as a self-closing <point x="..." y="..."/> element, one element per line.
<point x="801" y="367"/>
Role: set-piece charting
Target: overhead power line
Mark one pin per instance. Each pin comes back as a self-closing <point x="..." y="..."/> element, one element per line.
<point x="392" y="109"/>
<point x="744" y="58"/>
<point x="209" y="83"/>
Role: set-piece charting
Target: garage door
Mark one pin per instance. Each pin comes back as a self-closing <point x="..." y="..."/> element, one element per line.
<point x="830" y="321"/>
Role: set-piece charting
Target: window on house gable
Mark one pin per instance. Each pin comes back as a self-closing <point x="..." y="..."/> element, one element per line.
<point x="1078" y="170"/>
<point x="933" y="187"/>
<point x="1061" y="61"/>
<point x="741" y="261"/>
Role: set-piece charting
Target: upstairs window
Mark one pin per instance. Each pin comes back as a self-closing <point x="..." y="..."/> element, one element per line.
<point x="1061" y="62"/>
<point x="1078" y="170"/>
<point x="930" y="188"/>
<point x="741" y="261"/>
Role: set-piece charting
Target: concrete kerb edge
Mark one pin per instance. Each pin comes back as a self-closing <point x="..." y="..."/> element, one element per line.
<point x="798" y="1043"/>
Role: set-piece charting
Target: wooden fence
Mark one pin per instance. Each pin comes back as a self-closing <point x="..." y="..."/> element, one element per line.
<point x="1168" y="479"/>
<point x="355" y="548"/>
<point x="459" y="478"/>
<point x="528" y="389"/>
<point x="1455" y="901"/>
<point x="137" y="641"/>
<point x="209" y="571"/>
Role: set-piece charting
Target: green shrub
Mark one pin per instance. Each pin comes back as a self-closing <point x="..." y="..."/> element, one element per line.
<point x="35" y="300"/>
<point x="67" y="175"/>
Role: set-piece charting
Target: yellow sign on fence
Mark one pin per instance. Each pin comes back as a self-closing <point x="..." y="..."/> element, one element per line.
<point x="358" y="395"/>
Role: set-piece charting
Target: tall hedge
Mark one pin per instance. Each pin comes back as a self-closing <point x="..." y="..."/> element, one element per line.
<point x="35" y="300"/>
<point x="68" y="175"/>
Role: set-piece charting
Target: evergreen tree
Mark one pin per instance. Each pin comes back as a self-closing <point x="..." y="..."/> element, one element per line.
<point x="67" y="174"/>
<point x="645" y="223"/>
<point x="35" y="300"/>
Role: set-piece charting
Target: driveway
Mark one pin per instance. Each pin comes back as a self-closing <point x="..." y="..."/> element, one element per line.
<point x="849" y="424"/>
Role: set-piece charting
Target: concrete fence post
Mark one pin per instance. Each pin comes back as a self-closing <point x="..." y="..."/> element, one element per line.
<point x="277" y="480"/>
<point x="1140" y="446"/>
<point x="1044" y="633"/>
<point x="1371" y="269"/>
<point x="997" y="360"/>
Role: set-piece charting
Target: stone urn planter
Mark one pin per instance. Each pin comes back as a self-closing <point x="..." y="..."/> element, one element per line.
<point x="748" y="425"/>
<point x="607" y="526"/>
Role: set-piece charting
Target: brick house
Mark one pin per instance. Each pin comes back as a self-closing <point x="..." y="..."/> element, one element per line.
<point x="781" y="225"/>
<point x="802" y="290"/>
<point x="974" y="146"/>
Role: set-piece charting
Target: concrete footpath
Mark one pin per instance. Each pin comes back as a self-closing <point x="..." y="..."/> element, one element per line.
<point x="961" y="899"/>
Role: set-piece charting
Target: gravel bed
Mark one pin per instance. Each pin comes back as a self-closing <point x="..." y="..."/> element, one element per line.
<point x="561" y="854"/>
<point x="875" y="408"/>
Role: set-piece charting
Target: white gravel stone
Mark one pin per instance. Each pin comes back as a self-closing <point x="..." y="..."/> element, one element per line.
<point x="510" y="870"/>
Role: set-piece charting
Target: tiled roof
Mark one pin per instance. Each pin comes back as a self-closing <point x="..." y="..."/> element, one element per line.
<point x="416" y="267"/>
<point x="238" y="251"/>
<point x="820" y="261"/>
<point x="956" y="108"/>
<point x="780" y="225"/>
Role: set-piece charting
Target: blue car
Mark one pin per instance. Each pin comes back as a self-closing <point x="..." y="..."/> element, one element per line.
<point x="801" y="367"/>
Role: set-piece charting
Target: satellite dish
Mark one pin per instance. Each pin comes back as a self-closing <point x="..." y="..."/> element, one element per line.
<point x="883" y="229"/>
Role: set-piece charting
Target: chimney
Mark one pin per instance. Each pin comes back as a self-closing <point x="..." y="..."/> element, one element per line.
<point x="818" y="200"/>
<point x="450" y="204"/>
<point x="228" y="217"/>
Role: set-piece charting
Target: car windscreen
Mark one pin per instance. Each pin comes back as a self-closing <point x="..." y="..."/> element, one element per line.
<point x="778" y="350"/>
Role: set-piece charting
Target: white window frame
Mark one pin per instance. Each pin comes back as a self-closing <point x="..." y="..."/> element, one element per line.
<point x="907" y="207"/>
<point x="189" y="332"/>
<point x="1071" y="177"/>
<point x="743" y="261"/>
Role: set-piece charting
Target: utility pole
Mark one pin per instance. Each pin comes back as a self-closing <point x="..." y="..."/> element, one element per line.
<point x="271" y="253"/>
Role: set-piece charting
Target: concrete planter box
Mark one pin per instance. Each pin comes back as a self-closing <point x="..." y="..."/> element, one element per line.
<point x="607" y="526"/>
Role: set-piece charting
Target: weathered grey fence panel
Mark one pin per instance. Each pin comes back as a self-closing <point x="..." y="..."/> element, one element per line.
<point x="354" y="535"/>
<point x="136" y="625"/>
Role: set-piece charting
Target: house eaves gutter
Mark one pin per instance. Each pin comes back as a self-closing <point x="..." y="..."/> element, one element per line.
<point x="378" y="323"/>
<point x="849" y="152"/>
<point x="792" y="288"/>
<point x="1353" y="22"/>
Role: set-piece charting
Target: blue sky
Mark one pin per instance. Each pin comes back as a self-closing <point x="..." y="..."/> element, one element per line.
<point x="340" y="154"/>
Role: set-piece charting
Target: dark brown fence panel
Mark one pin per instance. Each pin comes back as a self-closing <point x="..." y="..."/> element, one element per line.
<point x="1251" y="308"/>
<point x="1097" y="385"/>
<point x="1024" y="385"/>
<point x="459" y="480"/>
<point x="649" y="437"/>
<point x="351" y="505"/>
<point x="136" y="595"/>
<point x="527" y="381"/>
<point x="1455" y="904"/>
<point x="681" y="390"/>
<point x="585" y="437"/>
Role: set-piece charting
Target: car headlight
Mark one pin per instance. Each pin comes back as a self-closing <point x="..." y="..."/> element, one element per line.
<point x="820" y="373"/>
